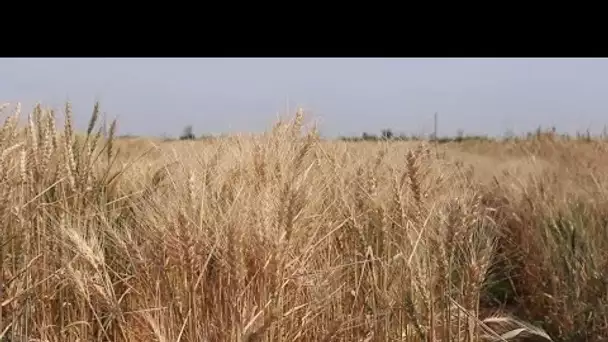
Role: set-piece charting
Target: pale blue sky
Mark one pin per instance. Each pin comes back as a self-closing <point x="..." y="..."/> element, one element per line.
<point x="347" y="96"/>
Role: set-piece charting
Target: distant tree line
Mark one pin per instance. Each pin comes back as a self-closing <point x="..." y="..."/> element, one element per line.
<point x="539" y="133"/>
<point x="389" y="135"/>
<point x="188" y="134"/>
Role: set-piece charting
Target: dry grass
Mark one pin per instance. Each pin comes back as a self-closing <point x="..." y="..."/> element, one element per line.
<point x="284" y="237"/>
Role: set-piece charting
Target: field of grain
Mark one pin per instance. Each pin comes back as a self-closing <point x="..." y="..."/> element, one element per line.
<point x="287" y="237"/>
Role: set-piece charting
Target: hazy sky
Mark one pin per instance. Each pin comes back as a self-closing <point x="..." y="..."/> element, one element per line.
<point x="347" y="96"/>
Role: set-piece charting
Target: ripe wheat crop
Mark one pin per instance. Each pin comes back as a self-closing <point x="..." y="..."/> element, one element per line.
<point x="286" y="237"/>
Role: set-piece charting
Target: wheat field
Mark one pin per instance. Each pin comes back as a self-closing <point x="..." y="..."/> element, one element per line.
<point x="284" y="236"/>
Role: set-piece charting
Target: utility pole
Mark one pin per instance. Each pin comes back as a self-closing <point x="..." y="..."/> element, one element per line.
<point x="435" y="127"/>
<point x="435" y="135"/>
